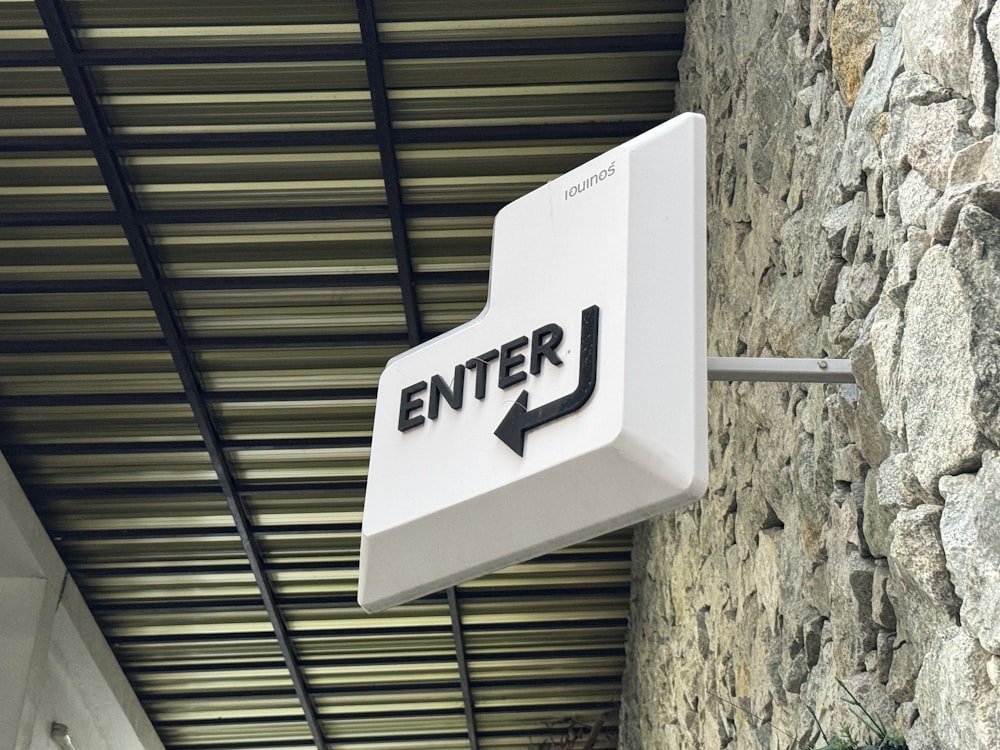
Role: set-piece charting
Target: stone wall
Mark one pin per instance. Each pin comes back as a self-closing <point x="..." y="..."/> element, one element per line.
<point x="848" y="532"/>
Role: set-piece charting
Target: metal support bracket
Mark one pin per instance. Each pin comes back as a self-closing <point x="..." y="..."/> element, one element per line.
<point x="780" y="370"/>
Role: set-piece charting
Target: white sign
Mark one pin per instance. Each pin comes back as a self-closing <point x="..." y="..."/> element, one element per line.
<point x="575" y="403"/>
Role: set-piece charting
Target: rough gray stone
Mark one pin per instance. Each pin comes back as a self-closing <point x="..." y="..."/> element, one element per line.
<point x="970" y="534"/>
<point x="989" y="167"/>
<point x="938" y="39"/>
<point x="854" y="633"/>
<point x="878" y="517"/>
<point x="943" y="216"/>
<point x="854" y="30"/>
<point x="904" y="268"/>
<point x="988" y="42"/>
<point x="871" y="437"/>
<point x="937" y="381"/>
<point x="867" y="122"/>
<point x="921" y="590"/>
<point x="967" y="165"/>
<point x="915" y="196"/>
<point x="817" y="211"/>
<point x="886" y="339"/>
<point x="913" y="87"/>
<point x="898" y="484"/>
<point x="860" y="283"/>
<point x="975" y="250"/>
<point x="932" y="135"/>
<point x="983" y="72"/>
<point x="883" y="614"/>
<point x="958" y="704"/>
<point x="906" y="662"/>
<point x="835" y="225"/>
<point x="889" y="10"/>
<point x="848" y="464"/>
<point x="879" y="661"/>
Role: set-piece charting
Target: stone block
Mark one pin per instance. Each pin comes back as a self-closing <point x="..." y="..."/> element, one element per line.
<point x="878" y="518"/>
<point x="854" y="633"/>
<point x="970" y="535"/>
<point x="859" y="35"/>
<point x="936" y="381"/>
<point x="942" y="216"/>
<point x="854" y="30"/>
<point x="934" y="134"/>
<point x="938" y="40"/>
<point x="967" y="164"/>
<point x="975" y="250"/>
<point x="915" y="197"/>
<point x="958" y="704"/>
<point x="920" y="586"/>
<point x="906" y="662"/>
<point x="883" y="613"/>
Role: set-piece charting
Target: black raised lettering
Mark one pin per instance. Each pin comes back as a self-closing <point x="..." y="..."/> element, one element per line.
<point x="481" y="364"/>
<point x="544" y="341"/>
<point x="408" y="405"/>
<point x="509" y="360"/>
<point x="453" y="395"/>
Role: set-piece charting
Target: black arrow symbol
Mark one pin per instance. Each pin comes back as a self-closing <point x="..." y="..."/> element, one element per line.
<point x="520" y="419"/>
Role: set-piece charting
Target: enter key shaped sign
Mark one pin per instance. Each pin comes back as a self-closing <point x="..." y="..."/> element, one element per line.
<point x="575" y="403"/>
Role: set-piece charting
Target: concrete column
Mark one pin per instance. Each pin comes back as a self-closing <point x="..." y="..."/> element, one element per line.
<point x="27" y="606"/>
<point x="54" y="662"/>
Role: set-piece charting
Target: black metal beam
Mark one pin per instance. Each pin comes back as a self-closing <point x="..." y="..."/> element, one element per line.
<point x="458" y="636"/>
<point x="70" y="286"/>
<point x="390" y="169"/>
<point x="48" y="493"/>
<point x="62" y="400"/>
<point x="60" y="33"/>
<point x="325" y="281"/>
<point x="242" y="54"/>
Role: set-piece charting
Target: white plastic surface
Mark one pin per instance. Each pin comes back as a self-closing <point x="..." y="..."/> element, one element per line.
<point x="448" y="500"/>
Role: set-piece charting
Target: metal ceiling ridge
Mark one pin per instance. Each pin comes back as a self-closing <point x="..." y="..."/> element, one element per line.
<point x="235" y="281"/>
<point x="154" y="398"/>
<point x="250" y="487"/>
<point x="124" y="141"/>
<point x="197" y="532"/>
<point x="97" y="344"/>
<point x="295" y="341"/>
<point x="364" y="629"/>
<point x="283" y="215"/>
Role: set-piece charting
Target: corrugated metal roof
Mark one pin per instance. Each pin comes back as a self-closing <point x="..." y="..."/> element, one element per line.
<point x="217" y="222"/>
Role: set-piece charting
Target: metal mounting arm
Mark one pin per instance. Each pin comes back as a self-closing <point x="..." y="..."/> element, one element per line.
<point x="780" y="369"/>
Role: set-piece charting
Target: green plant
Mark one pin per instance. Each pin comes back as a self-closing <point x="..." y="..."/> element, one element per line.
<point x="877" y="736"/>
